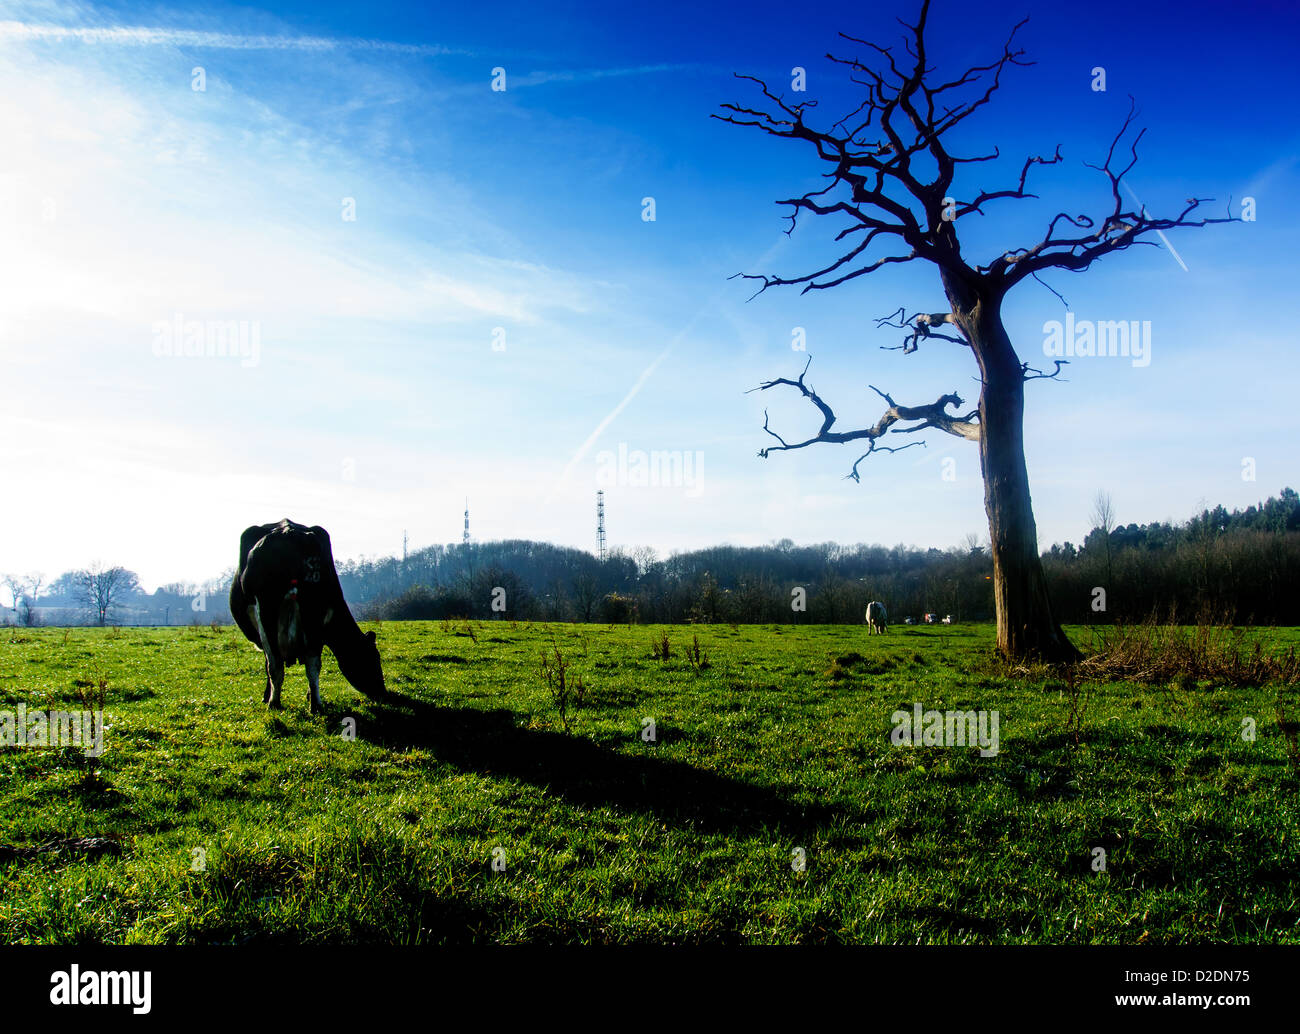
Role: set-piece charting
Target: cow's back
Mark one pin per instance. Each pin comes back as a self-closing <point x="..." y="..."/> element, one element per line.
<point x="274" y="561"/>
<point x="287" y="553"/>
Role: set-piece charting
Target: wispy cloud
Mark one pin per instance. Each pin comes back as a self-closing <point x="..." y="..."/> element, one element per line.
<point x="148" y="36"/>
<point x="144" y="36"/>
<point x="584" y="75"/>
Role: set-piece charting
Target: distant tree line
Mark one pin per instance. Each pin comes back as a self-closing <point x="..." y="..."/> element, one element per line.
<point x="1237" y="566"/>
<point x="1240" y="566"/>
<point x="102" y="595"/>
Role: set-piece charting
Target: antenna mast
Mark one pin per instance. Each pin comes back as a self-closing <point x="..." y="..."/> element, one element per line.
<point x="600" y="523"/>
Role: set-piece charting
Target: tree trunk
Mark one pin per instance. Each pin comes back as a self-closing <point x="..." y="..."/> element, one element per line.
<point x="1026" y="627"/>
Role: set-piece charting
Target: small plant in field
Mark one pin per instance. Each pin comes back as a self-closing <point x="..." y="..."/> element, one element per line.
<point x="699" y="659"/>
<point x="469" y="631"/>
<point x="660" y="650"/>
<point x="563" y="686"/>
<point x="1290" y="727"/>
<point x="93" y="694"/>
<point x="1078" y="695"/>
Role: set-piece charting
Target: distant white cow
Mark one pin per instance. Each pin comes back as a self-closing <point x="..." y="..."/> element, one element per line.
<point x="947" y="619"/>
<point x="909" y="621"/>
<point x="877" y="619"/>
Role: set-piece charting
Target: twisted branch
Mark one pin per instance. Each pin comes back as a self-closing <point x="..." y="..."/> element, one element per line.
<point x="934" y="415"/>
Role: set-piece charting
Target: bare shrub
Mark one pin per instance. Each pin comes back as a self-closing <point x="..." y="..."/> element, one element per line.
<point x="1156" y="652"/>
<point x="1290" y="729"/>
<point x="93" y="693"/>
<point x="1078" y="694"/>
<point x="699" y="659"/>
<point x="563" y="686"/>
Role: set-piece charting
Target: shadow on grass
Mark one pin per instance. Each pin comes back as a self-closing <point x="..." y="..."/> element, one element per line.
<point x="582" y="772"/>
<point x="442" y="921"/>
<point x="416" y="918"/>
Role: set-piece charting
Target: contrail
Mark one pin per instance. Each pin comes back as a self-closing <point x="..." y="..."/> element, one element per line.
<point x="585" y="447"/>
<point x="1159" y="233"/>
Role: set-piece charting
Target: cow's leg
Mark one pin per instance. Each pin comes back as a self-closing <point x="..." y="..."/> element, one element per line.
<point x="274" y="665"/>
<point x="277" y="682"/>
<point x="312" y="664"/>
<point x="255" y="618"/>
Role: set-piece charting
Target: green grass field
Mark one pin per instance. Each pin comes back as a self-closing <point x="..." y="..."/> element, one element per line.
<point x="236" y="825"/>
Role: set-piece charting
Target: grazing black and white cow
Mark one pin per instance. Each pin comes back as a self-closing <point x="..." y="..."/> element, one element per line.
<point x="287" y="600"/>
<point x="877" y="619"/>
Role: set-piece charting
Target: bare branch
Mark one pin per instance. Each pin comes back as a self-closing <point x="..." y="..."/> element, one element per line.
<point x="1052" y="289"/>
<point x="853" y="472"/>
<point x="870" y="153"/>
<point x="1030" y="374"/>
<point x="934" y="415"/>
<point x="921" y="324"/>
<point x="1019" y="192"/>
<point x="1119" y="229"/>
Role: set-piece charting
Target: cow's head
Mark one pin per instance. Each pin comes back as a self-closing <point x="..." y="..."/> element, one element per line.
<point x="360" y="665"/>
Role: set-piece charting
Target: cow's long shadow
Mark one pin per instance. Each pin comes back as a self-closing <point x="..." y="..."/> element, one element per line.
<point x="583" y="772"/>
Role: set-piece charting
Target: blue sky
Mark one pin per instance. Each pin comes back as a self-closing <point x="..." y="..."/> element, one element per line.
<point x="377" y="402"/>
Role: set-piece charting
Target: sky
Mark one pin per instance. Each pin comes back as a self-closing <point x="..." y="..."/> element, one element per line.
<point x="445" y="291"/>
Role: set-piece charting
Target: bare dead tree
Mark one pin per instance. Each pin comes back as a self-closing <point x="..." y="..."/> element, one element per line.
<point x="891" y="179"/>
<point x="1103" y="518"/>
<point x="17" y="586"/>
<point x="103" y="589"/>
<point x="32" y="583"/>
